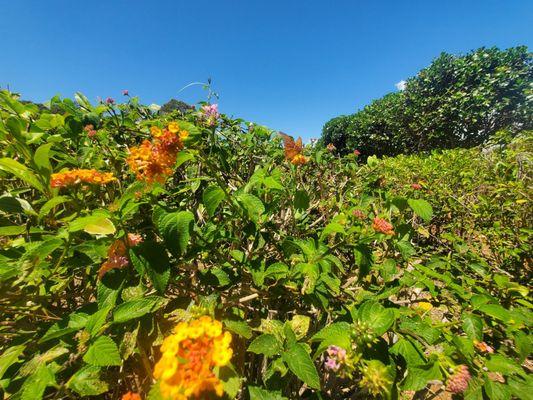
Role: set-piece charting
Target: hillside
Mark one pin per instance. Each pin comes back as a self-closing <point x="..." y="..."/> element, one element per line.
<point x="180" y="255"/>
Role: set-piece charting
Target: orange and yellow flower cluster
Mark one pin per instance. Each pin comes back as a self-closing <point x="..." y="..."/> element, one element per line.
<point x="76" y="176"/>
<point x="382" y="226"/>
<point x="117" y="254"/>
<point x="189" y="355"/>
<point x="131" y="396"/>
<point x="153" y="161"/>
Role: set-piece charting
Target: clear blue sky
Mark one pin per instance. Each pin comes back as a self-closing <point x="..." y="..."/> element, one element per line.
<point x="290" y="65"/>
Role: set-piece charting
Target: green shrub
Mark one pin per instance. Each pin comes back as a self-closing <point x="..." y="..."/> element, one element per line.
<point x="458" y="101"/>
<point x="134" y="245"/>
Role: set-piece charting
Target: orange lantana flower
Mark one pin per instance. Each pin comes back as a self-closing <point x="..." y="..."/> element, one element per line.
<point x="76" y="176"/>
<point x="189" y="355"/>
<point x="131" y="396"/>
<point x="382" y="226"/>
<point x="293" y="150"/>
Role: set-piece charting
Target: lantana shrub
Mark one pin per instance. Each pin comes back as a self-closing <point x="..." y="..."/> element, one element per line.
<point x="190" y="255"/>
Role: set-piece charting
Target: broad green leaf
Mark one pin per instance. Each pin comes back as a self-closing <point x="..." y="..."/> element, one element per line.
<point x="175" y="227"/>
<point x="300" y="363"/>
<point x="257" y="393"/>
<point x="378" y="318"/>
<point x="183" y="157"/>
<point x="300" y="325"/>
<point x="418" y="377"/>
<point x="336" y="334"/>
<point x="241" y="328"/>
<point x="97" y="320"/>
<point x="42" y="159"/>
<point x="252" y="205"/>
<point x="137" y="308"/>
<point x="473" y="326"/>
<point x="266" y="344"/>
<point x="12" y="230"/>
<point x="212" y="197"/>
<point x="86" y="382"/>
<point x="34" y="386"/>
<point x="301" y="200"/>
<point x="412" y="354"/>
<point x="50" y="204"/>
<point x="102" y="353"/>
<point x="9" y="357"/>
<point x="421" y="208"/>
<point x="94" y="224"/>
<point x="21" y="172"/>
<point x="151" y="257"/>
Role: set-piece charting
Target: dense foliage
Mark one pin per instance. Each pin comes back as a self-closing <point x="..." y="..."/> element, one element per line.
<point x="458" y="101"/>
<point x="151" y="256"/>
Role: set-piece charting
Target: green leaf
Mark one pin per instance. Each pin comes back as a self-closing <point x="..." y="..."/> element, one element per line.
<point x="212" y="197"/>
<point x="21" y="172"/>
<point x="12" y="230"/>
<point x="496" y="311"/>
<point x="94" y="224"/>
<point x="300" y="325"/>
<point x="413" y="355"/>
<point x="332" y="227"/>
<point x="505" y="365"/>
<point x="137" y="308"/>
<point x="496" y="391"/>
<point x="102" y="353"/>
<point x="266" y="344"/>
<point x="86" y="382"/>
<point x="473" y="326"/>
<point x="301" y="200"/>
<point x="175" y="227"/>
<point x="97" y="320"/>
<point x="42" y="159"/>
<point x="300" y="363"/>
<point x="151" y="257"/>
<point x="50" y="204"/>
<point x="34" y="387"/>
<point x="378" y="318"/>
<point x="241" y="328"/>
<point x="257" y="393"/>
<point x="336" y="334"/>
<point x="183" y="157"/>
<point x="418" y="377"/>
<point x="421" y="208"/>
<point x="252" y="205"/>
<point x="10" y="357"/>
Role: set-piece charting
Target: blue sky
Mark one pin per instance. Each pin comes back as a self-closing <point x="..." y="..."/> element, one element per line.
<point x="290" y="65"/>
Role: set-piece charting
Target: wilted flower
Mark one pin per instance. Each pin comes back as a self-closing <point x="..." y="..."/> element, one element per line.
<point x="131" y="396"/>
<point x="117" y="253"/>
<point x="458" y="382"/>
<point x="109" y="100"/>
<point x="91" y="132"/>
<point x="484" y="347"/>
<point x="76" y="176"/>
<point x="382" y="226"/>
<point x="189" y="356"/>
<point x="359" y="214"/>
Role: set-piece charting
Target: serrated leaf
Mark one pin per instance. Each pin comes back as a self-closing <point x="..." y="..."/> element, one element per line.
<point x="378" y="318"/>
<point x="336" y="334"/>
<point x="175" y="227"/>
<point x="9" y="357"/>
<point x="102" y="353"/>
<point x="252" y="205"/>
<point x="212" y="197"/>
<point x="137" y="308"/>
<point x="257" y="393"/>
<point x="421" y="208"/>
<point x="86" y="382"/>
<point x="266" y="344"/>
<point x="473" y="326"/>
<point x="151" y="257"/>
<point x="241" y="328"/>
<point x="34" y="386"/>
<point x="21" y="172"/>
<point x="300" y="363"/>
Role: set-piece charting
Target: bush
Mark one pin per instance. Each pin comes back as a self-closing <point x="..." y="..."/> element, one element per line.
<point x="193" y="256"/>
<point x="458" y="101"/>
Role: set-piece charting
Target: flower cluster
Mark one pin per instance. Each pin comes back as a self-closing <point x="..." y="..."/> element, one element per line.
<point x="131" y="396"/>
<point x="336" y="357"/>
<point x="376" y="378"/>
<point x="382" y="226"/>
<point x="117" y="254"/>
<point x="359" y="214"/>
<point x="458" y="382"/>
<point x="189" y="355"/>
<point x="91" y="132"/>
<point x="152" y="161"/>
<point x="416" y="186"/>
<point x="76" y="176"/>
<point x="210" y="113"/>
<point x="331" y="147"/>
